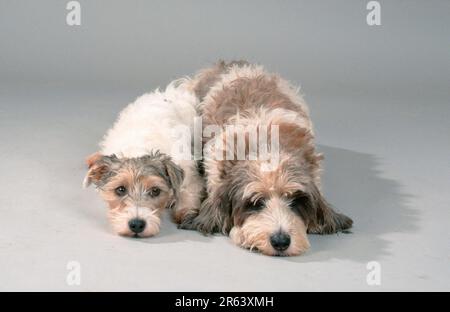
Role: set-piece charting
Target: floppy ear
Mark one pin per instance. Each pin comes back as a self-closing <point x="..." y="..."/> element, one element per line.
<point x="174" y="173"/>
<point x="92" y="159"/>
<point x="325" y="220"/>
<point x="99" y="168"/>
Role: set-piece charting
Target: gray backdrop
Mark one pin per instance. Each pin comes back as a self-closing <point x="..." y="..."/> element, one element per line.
<point x="379" y="98"/>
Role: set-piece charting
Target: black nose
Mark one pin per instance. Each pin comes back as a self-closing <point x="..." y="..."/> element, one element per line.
<point x="280" y="241"/>
<point x="136" y="225"/>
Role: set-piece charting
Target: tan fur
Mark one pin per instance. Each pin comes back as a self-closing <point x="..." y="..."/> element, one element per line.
<point x="257" y="229"/>
<point x="206" y="78"/>
<point x="252" y="203"/>
<point x="246" y="95"/>
<point x="137" y="190"/>
<point x="121" y="208"/>
<point x="91" y="159"/>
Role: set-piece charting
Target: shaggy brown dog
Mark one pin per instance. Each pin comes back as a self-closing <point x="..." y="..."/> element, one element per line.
<point x="270" y="210"/>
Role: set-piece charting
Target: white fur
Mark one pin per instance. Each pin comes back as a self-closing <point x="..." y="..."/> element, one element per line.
<point x="147" y="125"/>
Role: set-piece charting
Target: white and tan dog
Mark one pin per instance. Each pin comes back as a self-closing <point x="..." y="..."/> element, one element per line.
<point x="133" y="171"/>
<point x="268" y="210"/>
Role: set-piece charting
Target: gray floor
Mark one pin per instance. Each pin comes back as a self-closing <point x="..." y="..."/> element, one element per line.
<point x="380" y="110"/>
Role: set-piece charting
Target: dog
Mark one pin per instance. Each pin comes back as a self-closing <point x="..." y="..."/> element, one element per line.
<point x="266" y="210"/>
<point x="133" y="170"/>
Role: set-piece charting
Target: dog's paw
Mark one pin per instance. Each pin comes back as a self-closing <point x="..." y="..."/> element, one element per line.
<point x="187" y="223"/>
<point x="195" y="224"/>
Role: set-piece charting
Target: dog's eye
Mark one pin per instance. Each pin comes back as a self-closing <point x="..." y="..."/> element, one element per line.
<point x="154" y="191"/>
<point x="298" y="200"/>
<point x="120" y="191"/>
<point x="255" y="205"/>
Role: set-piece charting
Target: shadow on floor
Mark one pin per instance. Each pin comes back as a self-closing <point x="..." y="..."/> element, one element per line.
<point x="353" y="185"/>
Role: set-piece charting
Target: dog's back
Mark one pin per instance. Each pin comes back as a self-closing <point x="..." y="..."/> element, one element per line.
<point x="146" y="124"/>
<point x="240" y="88"/>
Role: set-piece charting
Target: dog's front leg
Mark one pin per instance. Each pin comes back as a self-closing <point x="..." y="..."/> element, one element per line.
<point x="190" y="198"/>
<point x="214" y="213"/>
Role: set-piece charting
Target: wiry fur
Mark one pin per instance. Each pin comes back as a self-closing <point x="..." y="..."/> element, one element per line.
<point x="128" y="157"/>
<point x="244" y="201"/>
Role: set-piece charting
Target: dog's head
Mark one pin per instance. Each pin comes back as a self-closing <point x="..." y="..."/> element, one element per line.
<point x="136" y="190"/>
<point x="272" y="211"/>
